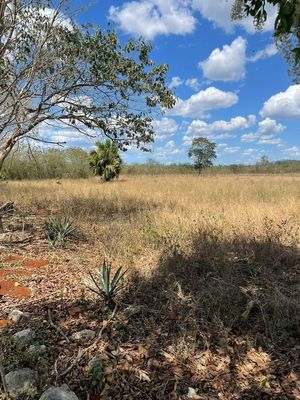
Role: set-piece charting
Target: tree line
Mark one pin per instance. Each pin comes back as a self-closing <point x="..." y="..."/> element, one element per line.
<point x="74" y="163"/>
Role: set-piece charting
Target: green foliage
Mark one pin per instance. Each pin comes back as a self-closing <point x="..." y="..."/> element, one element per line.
<point x="96" y="374"/>
<point x="58" y="231"/>
<point x="106" y="161"/>
<point x="286" y="28"/>
<point x="203" y="153"/>
<point x="46" y="164"/>
<point x="103" y="284"/>
<point x="76" y="76"/>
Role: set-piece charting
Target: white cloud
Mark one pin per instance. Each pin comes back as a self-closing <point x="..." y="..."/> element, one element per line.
<point x="266" y="133"/>
<point x="285" y="105"/>
<point x="61" y="133"/>
<point x="201" y="128"/>
<point x="231" y="150"/>
<point x="292" y="151"/>
<point x="249" y="152"/>
<point x="169" y="149"/>
<point x="175" y="82"/>
<point x="193" y="83"/>
<point x="219" y="13"/>
<point x="164" y="128"/>
<point x="227" y="64"/>
<point x="205" y="100"/>
<point x="269" y="51"/>
<point x="150" y="18"/>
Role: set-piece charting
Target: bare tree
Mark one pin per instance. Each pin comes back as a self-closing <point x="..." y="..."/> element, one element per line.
<point x="55" y="72"/>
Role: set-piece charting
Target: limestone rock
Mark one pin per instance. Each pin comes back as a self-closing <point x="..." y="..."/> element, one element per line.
<point x="59" y="393"/>
<point x="17" y="316"/>
<point x="24" y="337"/>
<point x="86" y="334"/>
<point x="22" y="382"/>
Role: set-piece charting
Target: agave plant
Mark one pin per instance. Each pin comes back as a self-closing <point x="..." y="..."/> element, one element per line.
<point x="59" y="231"/>
<point x="103" y="284"/>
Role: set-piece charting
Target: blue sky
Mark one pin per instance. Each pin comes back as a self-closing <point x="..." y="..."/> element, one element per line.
<point x="231" y="84"/>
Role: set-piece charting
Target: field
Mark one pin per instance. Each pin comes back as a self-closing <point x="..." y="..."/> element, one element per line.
<point x="210" y="301"/>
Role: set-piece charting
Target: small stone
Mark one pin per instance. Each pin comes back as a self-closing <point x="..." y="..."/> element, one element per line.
<point x="22" y="382"/>
<point x="59" y="393"/>
<point x="24" y="337"/>
<point x="17" y="316"/>
<point x="36" y="348"/>
<point x="86" y="334"/>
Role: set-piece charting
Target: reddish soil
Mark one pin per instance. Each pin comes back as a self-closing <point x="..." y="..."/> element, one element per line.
<point x="9" y="288"/>
<point x="35" y="263"/>
<point x="4" y="322"/>
<point x="14" y="272"/>
<point x="12" y="259"/>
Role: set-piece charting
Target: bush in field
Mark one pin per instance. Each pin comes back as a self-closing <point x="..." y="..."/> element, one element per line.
<point x="102" y="284"/>
<point x="58" y="231"/>
<point x="105" y="161"/>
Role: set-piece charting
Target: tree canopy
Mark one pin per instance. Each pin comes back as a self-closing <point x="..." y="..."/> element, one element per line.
<point x="55" y="72"/>
<point x="105" y="161"/>
<point x="286" y="27"/>
<point x="202" y="151"/>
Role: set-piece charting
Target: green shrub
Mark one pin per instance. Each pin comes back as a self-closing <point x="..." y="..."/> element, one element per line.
<point x="58" y="231"/>
<point x="103" y="285"/>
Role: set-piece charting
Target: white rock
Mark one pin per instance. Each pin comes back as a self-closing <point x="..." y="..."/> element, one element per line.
<point x="86" y="334"/>
<point x="36" y="348"/>
<point x="59" y="393"/>
<point x="17" y="316"/>
<point x="24" y="337"/>
<point x="22" y="382"/>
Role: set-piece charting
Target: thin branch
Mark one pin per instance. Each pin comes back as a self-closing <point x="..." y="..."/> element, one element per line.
<point x="82" y="352"/>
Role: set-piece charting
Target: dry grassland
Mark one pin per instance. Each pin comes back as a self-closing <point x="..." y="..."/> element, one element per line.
<point x="213" y="263"/>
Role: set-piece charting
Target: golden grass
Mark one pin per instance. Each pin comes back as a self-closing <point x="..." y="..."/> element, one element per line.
<point x="215" y="261"/>
<point x="135" y="213"/>
<point x="136" y="219"/>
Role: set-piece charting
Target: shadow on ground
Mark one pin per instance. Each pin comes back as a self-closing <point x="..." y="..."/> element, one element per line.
<point x="222" y="320"/>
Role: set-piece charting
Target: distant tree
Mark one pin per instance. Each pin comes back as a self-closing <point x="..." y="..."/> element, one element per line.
<point x="264" y="160"/>
<point x="286" y="28"/>
<point x="106" y="161"/>
<point x="203" y="153"/>
<point x="55" y="72"/>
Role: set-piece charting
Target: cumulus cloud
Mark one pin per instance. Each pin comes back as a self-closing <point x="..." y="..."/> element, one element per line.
<point x="231" y="150"/>
<point x="227" y="64"/>
<point x="168" y="150"/>
<point x="193" y="83"/>
<point x="164" y="128"/>
<point x="285" y="105"/>
<point x="219" y="13"/>
<point x="200" y="128"/>
<point x="269" y="51"/>
<point x="175" y="82"/>
<point x="217" y="130"/>
<point x="292" y="151"/>
<point x="150" y="18"/>
<point x="267" y="132"/>
<point x="200" y="103"/>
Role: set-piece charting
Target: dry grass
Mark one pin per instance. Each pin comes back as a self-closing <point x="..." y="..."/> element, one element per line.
<point x="138" y="213"/>
<point x="214" y="260"/>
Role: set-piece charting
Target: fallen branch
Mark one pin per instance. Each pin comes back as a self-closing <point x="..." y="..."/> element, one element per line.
<point x="82" y="352"/>
<point x="57" y="328"/>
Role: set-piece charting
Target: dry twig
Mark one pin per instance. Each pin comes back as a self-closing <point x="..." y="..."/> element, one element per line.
<point x="82" y="352"/>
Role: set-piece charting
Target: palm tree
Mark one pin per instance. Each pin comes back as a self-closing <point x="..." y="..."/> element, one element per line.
<point x="105" y="161"/>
